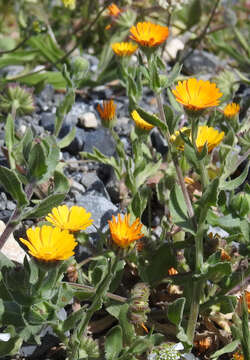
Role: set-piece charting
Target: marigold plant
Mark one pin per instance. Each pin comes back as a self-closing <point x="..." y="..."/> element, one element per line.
<point x="232" y="109"/>
<point x="107" y="112"/>
<point x="122" y="233"/>
<point x="148" y="34"/>
<point x="49" y="243"/>
<point x="124" y="48"/>
<point x="197" y="94"/>
<point x="74" y="219"/>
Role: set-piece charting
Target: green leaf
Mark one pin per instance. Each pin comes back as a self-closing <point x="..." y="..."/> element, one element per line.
<point x="175" y="311"/>
<point x="229" y="348"/>
<point x="53" y="78"/>
<point x="37" y="163"/>
<point x="176" y="106"/>
<point x="191" y="13"/>
<point x="171" y="118"/>
<point x="152" y="119"/>
<point x="127" y="328"/>
<point x="10" y="139"/>
<point x="5" y="261"/>
<point x="174" y="73"/>
<point x="178" y="210"/>
<point x="235" y="183"/>
<point x="18" y="57"/>
<point x="64" y="142"/>
<point x="149" y="170"/>
<point x="47" y="47"/>
<point x="113" y="343"/>
<point x="10" y="347"/>
<point x="63" y="109"/>
<point x="11" y="184"/>
<point x="216" y="272"/>
<point x="44" y="206"/>
<point x="61" y="183"/>
<point x="139" y="202"/>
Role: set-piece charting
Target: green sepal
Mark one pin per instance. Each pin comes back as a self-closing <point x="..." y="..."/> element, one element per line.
<point x="11" y="184"/>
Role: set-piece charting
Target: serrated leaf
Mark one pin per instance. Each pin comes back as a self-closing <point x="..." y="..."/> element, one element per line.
<point x="175" y="311"/>
<point x="61" y="183"/>
<point x="235" y="183"/>
<point x="11" y="184"/>
<point x="44" y="206"/>
<point x="178" y="210"/>
<point x="37" y="163"/>
<point x="113" y="343"/>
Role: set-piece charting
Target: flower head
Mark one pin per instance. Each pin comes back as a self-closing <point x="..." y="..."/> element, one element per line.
<point x="48" y="243"/>
<point x="210" y="136"/>
<point x="20" y="96"/>
<point x="231" y="110"/>
<point x="71" y="4"/>
<point x="247" y="299"/>
<point x="114" y="10"/>
<point x="122" y="233"/>
<point x="196" y="94"/>
<point x="148" y="34"/>
<point x="74" y="219"/>
<point x="238" y="356"/>
<point x="140" y="123"/>
<point x="124" y="48"/>
<point x="205" y="134"/>
<point x="107" y="112"/>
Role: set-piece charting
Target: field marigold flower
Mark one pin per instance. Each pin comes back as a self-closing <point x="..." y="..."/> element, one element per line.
<point x="107" y="112"/>
<point x="247" y="299"/>
<point x="122" y="233"/>
<point x="148" y="34"/>
<point x="196" y="94"/>
<point x="124" y="48"/>
<point x="139" y="122"/>
<point x="205" y="134"/>
<point x="238" y="356"/>
<point x="49" y="243"/>
<point x="71" y="4"/>
<point x="74" y="219"/>
<point x="231" y="110"/>
<point x="114" y="10"/>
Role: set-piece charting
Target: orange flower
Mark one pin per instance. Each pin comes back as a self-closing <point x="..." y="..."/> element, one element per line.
<point x="107" y="112"/>
<point x="247" y="299"/>
<point x="238" y="356"/>
<point x="224" y="255"/>
<point x="124" y="48"/>
<point x="172" y="271"/>
<point x="122" y="233"/>
<point x="148" y="34"/>
<point x="114" y="10"/>
<point x="196" y="94"/>
<point x="231" y="109"/>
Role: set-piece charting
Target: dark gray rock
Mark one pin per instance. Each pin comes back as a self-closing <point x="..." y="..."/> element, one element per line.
<point x="102" y="140"/>
<point x="47" y="121"/>
<point x="158" y="142"/>
<point x="101" y="209"/>
<point x="78" y="143"/>
<point x="200" y="61"/>
<point x="94" y="185"/>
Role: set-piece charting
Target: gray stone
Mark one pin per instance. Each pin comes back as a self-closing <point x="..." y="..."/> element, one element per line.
<point x="78" y="143"/>
<point x="10" y="205"/>
<point x="200" y="61"/>
<point x="94" y="185"/>
<point x="88" y="121"/>
<point x="101" y="210"/>
<point x="11" y="248"/>
<point x="3" y="201"/>
<point x="102" y="140"/>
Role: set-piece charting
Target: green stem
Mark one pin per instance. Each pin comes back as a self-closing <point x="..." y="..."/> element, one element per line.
<point x="96" y="304"/>
<point x="175" y="160"/>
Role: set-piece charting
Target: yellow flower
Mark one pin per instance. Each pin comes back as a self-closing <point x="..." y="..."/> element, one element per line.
<point x="148" y="34"/>
<point x="231" y="109"/>
<point x="107" y="112"/>
<point x="124" y="48"/>
<point x="205" y="134"/>
<point x="122" y="233"/>
<point x="74" y="219"/>
<point x="48" y="243"/>
<point x="114" y="10"/>
<point x="140" y="123"/>
<point x="210" y="136"/>
<point x="71" y="4"/>
<point x="196" y="94"/>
